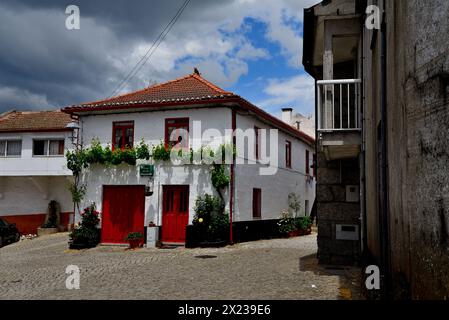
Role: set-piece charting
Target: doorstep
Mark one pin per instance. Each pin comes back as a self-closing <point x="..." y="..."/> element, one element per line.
<point x="106" y="244"/>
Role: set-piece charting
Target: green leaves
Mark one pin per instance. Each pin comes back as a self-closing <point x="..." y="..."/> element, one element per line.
<point x="161" y="153"/>
<point x="219" y="176"/>
<point x="210" y="217"/>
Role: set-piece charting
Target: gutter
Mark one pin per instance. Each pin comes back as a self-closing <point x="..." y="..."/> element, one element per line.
<point x="231" y="196"/>
<point x="309" y="39"/>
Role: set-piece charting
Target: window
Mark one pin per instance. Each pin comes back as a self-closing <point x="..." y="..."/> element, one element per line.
<point x="257" y="141"/>
<point x="177" y="133"/>
<point x="10" y="148"/>
<point x="306" y="207"/>
<point x="54" y="147"/>
<point x="288" y="154"/>
<point x="257" y="203"/>
<point x="307" y="162"/>
<point x="314" y="164"/>
<point x="122" y="135"/>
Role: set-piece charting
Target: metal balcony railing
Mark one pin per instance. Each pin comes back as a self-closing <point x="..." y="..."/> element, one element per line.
<point x="339" y="105"/>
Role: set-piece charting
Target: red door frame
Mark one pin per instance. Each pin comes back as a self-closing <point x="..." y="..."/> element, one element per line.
<point x="175" y="213"/>
<point x="137" y="215"/>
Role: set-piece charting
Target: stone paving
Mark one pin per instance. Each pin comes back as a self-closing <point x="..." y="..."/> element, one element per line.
<point x="268" y="269"/>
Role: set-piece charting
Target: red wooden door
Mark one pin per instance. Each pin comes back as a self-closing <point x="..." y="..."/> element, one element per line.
<point x="175" y="213"/>
<point x="123" y="212"/>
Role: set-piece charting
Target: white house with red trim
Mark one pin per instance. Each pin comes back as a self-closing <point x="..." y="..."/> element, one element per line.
<point x="33" y="168"/>
<point x="157" y="114"/>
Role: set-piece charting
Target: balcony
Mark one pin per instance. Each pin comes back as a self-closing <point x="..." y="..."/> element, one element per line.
<point x="339" y="121"/>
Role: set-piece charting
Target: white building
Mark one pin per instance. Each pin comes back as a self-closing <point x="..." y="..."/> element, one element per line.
<point x="33" y="168"/>
<point x="187" y="103"/>
<point x="301" y="122"/>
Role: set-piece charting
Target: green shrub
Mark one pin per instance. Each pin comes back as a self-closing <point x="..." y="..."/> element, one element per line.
<point x="303" y="223"/>
<point x="87" y="233"/>
<point x="210" y="218"/>
<point x="287" y="223"/>
<point x="134" y="236"/>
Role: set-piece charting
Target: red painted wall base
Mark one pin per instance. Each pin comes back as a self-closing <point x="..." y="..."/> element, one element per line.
<point x="29" y="223"/>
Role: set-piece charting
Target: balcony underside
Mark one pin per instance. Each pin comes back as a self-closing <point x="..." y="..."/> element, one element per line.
<point x="340" y="145"/>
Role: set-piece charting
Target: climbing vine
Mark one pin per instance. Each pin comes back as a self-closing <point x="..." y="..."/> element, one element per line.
<point x="81" y="159"/>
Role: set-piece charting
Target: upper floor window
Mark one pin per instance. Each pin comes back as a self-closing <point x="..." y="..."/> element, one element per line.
<point x="307" y="162"/>
<point x="10" y="148"/>
<point x="314" y="164"/>
<point x="257" y="141"/>
<point x="177" y="133"/>
<point x="48" y="147"/>
<point x="123" y="134"/>
<point x="288" y="154"/>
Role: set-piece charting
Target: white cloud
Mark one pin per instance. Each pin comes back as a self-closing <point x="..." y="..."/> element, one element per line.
<point x="296" y="92"/>
<point x="47" y="62"/>
<point x="223" y="58"/>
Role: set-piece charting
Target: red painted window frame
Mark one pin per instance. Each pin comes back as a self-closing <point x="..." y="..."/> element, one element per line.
<point x="314" y="164"/>
<point x="120" y="125"/>
<point x="288" y="153"/>
<point x="257" y="141"/>
<point x="307" y="162"/>
<point x="183" y="122"/>
<point x="257" y="203"/>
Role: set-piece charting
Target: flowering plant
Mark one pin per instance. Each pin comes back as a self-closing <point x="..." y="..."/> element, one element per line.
<point x="286" y="223"/>
<point x="87" y="233"/>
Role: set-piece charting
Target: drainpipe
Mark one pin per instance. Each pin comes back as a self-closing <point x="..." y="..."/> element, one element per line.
<point x="384" y="162"/>
<point x="231" y="196"/>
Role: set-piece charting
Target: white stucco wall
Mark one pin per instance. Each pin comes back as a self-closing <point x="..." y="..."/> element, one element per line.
<point x="275" y="188"/>
<point x="151" y="127"/>
<point x="28" y="183"/>
<point x="31" y="195"/>
<point x="29" y="165"/>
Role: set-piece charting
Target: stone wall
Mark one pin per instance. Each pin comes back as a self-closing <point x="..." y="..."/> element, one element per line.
<point x="418" y="131"/>
<point x="332" y="209"/>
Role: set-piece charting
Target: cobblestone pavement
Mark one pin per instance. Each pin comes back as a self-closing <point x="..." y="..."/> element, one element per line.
<point x="268" y="269"/>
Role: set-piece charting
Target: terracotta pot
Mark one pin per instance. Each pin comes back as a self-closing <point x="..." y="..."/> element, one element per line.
<point x="134" y="243"/>
<point x="293" y="233"/>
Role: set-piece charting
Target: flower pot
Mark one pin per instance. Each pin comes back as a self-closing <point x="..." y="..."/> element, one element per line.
<point x="293" y="233"/>
<point x="134" y="243"/>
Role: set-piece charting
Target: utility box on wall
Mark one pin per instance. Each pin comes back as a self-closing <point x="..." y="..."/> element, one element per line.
<point x="152" y="236"/>
<point x="347" y="232"/>
<point x="352" y="194"/>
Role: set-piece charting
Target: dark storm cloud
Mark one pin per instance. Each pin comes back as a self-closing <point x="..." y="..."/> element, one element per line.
<point x="42" y="64"/>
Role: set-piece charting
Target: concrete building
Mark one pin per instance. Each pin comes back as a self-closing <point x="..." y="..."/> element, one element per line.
<point x="301" y="122"/>
<point x="33" y="168"/>
<point x="382" y="81"/>
<point x="199" y="108"/>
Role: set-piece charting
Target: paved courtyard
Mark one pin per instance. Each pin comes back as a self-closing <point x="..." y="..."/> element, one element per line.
<point x="268" y="269"/>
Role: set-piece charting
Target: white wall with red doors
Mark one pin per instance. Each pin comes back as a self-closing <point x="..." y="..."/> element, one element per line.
<point x="185" y="183"/>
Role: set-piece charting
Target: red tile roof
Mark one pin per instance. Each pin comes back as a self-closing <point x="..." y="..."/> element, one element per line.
<point x="182" y="92"/>
<point x="189" y="88"/>
<point x="29" y="121"/>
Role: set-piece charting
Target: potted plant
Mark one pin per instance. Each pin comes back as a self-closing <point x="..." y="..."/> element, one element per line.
<point x="287" y="225"/>
<point x="134" y="239"/>
<point x="304" y="225"/>
<point x="86" y="235"/>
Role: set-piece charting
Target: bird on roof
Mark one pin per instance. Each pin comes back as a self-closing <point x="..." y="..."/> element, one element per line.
<point x="196" y="71"/>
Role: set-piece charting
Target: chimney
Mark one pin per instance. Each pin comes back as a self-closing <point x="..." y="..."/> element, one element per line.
<point x="298" y="125"/>
<point x="287" y="115"/>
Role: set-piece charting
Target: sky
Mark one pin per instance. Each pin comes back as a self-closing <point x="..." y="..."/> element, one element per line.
<point x="250" y="47"/>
